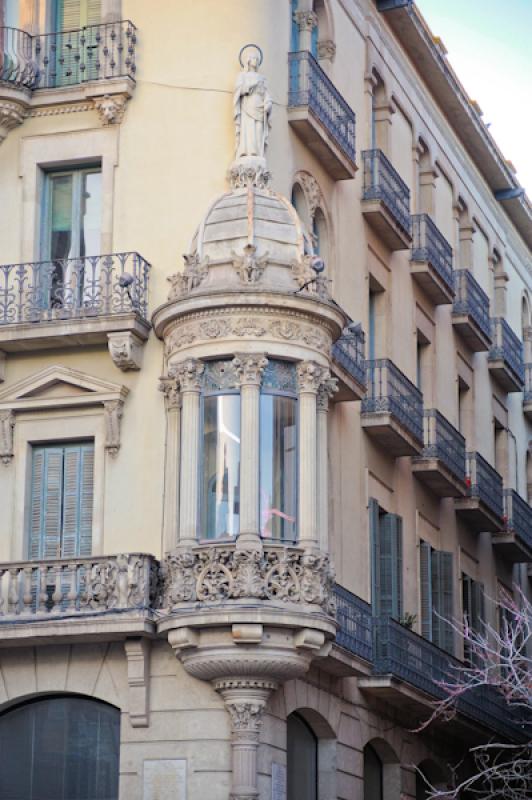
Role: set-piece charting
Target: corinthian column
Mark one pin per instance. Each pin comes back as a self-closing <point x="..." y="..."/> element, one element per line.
<point x="189" y="374"/>
<point x="310" y="376"/>
<point x="172" y="397"/>
<point x="249" y="367"/>
<point x="325" y="392"/>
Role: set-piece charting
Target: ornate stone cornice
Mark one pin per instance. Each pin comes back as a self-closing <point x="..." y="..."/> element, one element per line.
<point x="310" y="376"/>
<point x="189" y="373"/>
<point x="249" y="367"/>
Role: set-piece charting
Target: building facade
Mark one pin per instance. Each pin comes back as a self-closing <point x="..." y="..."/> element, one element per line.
<point x="243" y="490"/>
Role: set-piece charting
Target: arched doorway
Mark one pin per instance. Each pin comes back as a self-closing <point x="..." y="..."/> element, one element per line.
<point x="302" y="759"/>
<point x="373" y="774"/>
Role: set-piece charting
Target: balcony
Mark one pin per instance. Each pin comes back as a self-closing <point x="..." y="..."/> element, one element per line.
<point x="392" y="412"/>
<point x="471" y="311"/>
<point x="527" y="397"/>
<point x="354" y="637"/>
<point x="505" y="359"/>
<point x="482" y="508"/>
<point x="514" y="540"/>
<point x="441" y="465"/>
<point x="98" y="597"/>
<point x="406" y="672"/>
<point x="320" y="116"/>
<point x="348" y="355"/>
<point x="431" y="262"/>
<point x="74" y="301"/>
<point x="386" y="201"/>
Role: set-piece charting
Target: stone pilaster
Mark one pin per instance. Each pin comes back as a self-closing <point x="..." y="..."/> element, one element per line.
<point x="466" y="230"/>
<point x="172" y="398"/>
<point x="310" y="376"/>
<point x="249" y="367"/>
<point x="189" y="373"/>
<point x="326" y="390"/>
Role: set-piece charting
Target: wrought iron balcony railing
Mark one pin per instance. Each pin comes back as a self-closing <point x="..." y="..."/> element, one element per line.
<point x="349" y="352"/>
<point x="471" y="299"/>
<point x="17" y="66"/>
<point x="41" y="589"/>
<point x="390" y="391"/>
<point x="484" y="483"/>
<point x="353" y="615"/>
<point x="383" y="182"/>
<point x="411" y="658"/>
<point x="507" y="347"/>
<point x="310" y="86"/>
<point x="444" y="442"/>
<point x="430" y="245"/>
<point x="74" y="288"/>
<point x="66" y="58"/>
<point x="518" y="517"/>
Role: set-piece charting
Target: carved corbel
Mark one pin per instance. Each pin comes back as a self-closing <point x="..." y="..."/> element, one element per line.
<point x="7" y="426"/>
<point x="126" y="350"/>
<point x="138" y="679"/>
<point x="11" y="115"/>
<point x="326" y="390"/>
<point x="326" y="50"/>
<point x="110" y="108"/>
<point x="113" y="410"/>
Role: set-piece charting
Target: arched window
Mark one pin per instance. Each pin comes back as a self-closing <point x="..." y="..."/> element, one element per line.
<point x="302" y="760"/>
<point x="321" y="236"/>
<point x="220" y="498"/>
<point x="373" y="775"/>
<point x="60" y="748"/>
<point x="278" y="452"/>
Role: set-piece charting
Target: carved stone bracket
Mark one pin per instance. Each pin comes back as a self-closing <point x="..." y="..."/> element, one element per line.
<point x="11" y="115"/>
<point x="138" y="679"/>
<point x="326" y="50"/>
<point x="126" y="350"/>
<point x="113" y="410"/>
<point x="249" y="367"/>
<point x="110" y="108"/>
<point x="7" y="426"/>
<point x="193" y="275"/>
<point x="249" y="267"/>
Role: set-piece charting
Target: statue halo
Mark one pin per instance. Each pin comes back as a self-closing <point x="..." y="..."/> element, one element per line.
<point x="255" y="47"/>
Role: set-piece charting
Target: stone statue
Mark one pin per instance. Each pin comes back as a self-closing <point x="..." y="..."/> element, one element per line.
<point x="252" y="110"/>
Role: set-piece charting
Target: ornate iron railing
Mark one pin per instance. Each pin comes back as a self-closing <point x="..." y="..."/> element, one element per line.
<point x="507" y="346"/>
<point x="430" y="245"/>
<point x="484" y="483"/>
<point x="528" y="383"/>
<point x="74" y="288"/>
<point x="518" y="516"/>
<point x="383" y="182"/>
<point x="444" y="442"/>
<point x="17" y="66"/>
<point x="349" y="352"/>
<point x="390" y="391"/>
<point x="92" y="53"/>
<point x="48" y="588"/>
<point x="355" y="632"/>
<point x="406" y="655"/>
<point x="471" y="299"/>
<point x="310" y="86"/>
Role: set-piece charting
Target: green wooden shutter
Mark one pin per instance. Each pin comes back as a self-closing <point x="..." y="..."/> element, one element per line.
<point x="375" y="554"/>
<point x="86" y="499"/>
<point x="391" y="565"/>
<point x="425" y="574"/>
<point x="477" y="608"/>
<point x="442" y="595"/>
<point x="46" y="503"/>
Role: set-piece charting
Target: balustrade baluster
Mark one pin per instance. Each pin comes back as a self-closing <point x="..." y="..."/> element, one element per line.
<point x="28" y="594"/>
<point x="72" y="573"/>
<point x="57" y="596"/>
<point x="13" y="596"/>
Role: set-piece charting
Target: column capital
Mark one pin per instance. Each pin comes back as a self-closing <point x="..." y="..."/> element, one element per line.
<point x="327" y="388"/>
<point x="189" y="373"/>
<point x="306" y="20"/>
<point x="170" y="387"/>
<point x="310" y="376"/>
<point x="249" y="368"/>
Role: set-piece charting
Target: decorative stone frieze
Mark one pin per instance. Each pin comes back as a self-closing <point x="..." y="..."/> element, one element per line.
<point x="249" y="367"/>
<point x="190" y="375"/>
<point x="113" y="411"/>
<point x="110" y="108"/>
<point x="218" y="574"/>
<point x="7" y="427"/>
<point x="193" y="275"/>
<point x="125" y="350"/>
<point x="306" y="20"/>
<point x="248" y="266"/>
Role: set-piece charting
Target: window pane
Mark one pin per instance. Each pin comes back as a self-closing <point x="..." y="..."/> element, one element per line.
<point x="278" y="467"/>
<point x="60" y="749"/>
<point x="91" y="205"/>
<point x="60" y="216"/>
<point x="221" y="466"/>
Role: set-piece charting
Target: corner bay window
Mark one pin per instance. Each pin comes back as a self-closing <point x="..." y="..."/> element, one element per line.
<point x="220" y="462"/>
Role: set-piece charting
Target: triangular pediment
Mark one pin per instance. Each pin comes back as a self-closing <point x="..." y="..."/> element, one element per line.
<point x="59" y="386"/>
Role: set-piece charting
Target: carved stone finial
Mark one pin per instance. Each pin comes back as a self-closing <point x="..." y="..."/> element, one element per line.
<point x="193" y="275"/>
<point x="7" y="425"/>
<point x="126" y="350"/>
<point x="248" y="266"/>
<point x="189" y="373"/>
<point x="110" y="108"/>
<point x="310" y="376"/>
<point x="113" y="410"/>
<point x="169" y="386"/>
<point x="249" y="367"/>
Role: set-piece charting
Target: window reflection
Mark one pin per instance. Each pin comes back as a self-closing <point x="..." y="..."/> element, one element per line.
<point x="221" y="466"/>
<point x="278" y="467"/>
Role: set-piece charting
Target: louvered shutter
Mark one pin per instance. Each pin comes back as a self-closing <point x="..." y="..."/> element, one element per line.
<point x="391" y="566"/>
<point x="78" y="496"/>
<point x="375" y="555"/>
<point x="86" y="500"/>
<point x="51" y="506"/>
<point x="425" y="574"/>
<point x="94" y="12"/>
<point x="37" y="504"/>
<point x="442" y="599"/>
<point x="477" y="609"/>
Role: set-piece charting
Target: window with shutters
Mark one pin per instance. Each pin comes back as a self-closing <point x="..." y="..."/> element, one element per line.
<point x="69" y="15"/>
<point x="75" y="45"/>
<point x="61" y="501"/>
<point x="473" y="611"/>
<point x="386" y="533"/>
<point x="436" y="581"/>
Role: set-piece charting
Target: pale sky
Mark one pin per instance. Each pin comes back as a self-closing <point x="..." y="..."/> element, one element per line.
<point x="490" y="49"/>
